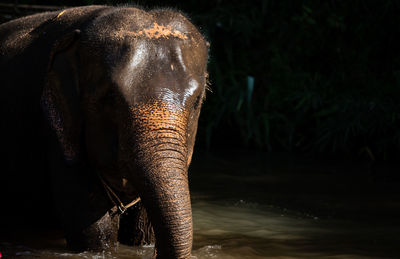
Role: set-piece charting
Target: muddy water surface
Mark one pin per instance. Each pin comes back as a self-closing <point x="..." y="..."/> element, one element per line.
<point x="257" y="206"/>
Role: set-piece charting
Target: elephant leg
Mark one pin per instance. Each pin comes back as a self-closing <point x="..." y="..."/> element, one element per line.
<point x="102" y="235"/>
<point x="135" y="227"/>
<point x="89" y="218"/>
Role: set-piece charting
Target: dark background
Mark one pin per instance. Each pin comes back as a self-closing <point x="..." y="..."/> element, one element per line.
<point x="319" y="78"/>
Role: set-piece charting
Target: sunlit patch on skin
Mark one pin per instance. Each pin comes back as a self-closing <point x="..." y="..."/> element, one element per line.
<point x="160" y="31"/>
<point x="61" y="13"/>
<point x="180" y="58"/>
<point x="193" y="85"/>
<point x="140" y="55"/>
<point x="168" y="96"/>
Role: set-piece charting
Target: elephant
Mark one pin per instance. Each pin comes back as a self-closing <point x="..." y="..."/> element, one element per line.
<point x="103" y="103"/>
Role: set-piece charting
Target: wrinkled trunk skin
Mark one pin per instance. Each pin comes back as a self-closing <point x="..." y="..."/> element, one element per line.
<point x="161" y="157"/>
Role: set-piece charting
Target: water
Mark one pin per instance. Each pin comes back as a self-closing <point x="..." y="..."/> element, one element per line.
<point x="255" y="206"/>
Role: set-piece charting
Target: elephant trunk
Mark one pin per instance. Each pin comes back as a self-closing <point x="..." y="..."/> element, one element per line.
<point x="171" y="215"/>
<point x="161" y="156"/>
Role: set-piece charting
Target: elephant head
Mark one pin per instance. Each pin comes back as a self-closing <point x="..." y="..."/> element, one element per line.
<point x="125" y="93"/>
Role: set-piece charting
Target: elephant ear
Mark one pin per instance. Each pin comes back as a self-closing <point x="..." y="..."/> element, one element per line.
<point x="60" y="95"/>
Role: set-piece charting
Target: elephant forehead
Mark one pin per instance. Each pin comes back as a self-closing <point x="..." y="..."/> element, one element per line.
<point x="157" y="31"/>
<point x="157" y="70"/>
<point x="154" y="32"/>
<point x="150" y="56"/>
<point x="140" y="55"/>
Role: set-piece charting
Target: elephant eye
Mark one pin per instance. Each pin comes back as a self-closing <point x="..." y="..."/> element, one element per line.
<point x="197" y="102"/>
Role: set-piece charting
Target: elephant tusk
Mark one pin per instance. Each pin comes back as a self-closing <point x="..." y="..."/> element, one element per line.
<point x="115" y="199"/>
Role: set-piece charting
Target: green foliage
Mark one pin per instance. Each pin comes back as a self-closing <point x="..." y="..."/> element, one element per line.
<point x="325" y="76"/>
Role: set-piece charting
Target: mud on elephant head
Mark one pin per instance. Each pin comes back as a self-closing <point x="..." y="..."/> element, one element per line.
<point x="122" y="93"/>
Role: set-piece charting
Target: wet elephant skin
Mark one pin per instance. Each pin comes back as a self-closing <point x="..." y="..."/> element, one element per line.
<point x="98" y="92"/>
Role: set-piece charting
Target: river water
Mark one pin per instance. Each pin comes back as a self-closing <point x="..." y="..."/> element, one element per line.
<point x="258" y="206"/>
